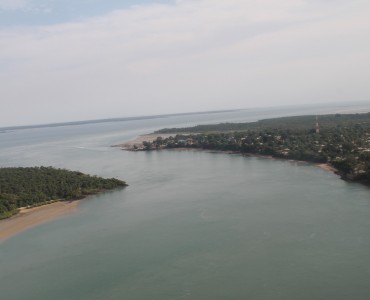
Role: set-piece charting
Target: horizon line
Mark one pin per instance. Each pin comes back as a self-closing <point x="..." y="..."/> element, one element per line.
<point x="115" y="119"/>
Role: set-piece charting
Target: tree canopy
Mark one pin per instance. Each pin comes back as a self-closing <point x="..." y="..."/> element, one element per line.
<point x="20" y="187"/>
<point x="343" y="140"/>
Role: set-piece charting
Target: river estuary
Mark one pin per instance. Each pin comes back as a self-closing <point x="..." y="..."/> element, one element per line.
<point x="191" y="225"/>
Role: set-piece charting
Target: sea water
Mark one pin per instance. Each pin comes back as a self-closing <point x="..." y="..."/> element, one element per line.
<point x="191" y="225"/>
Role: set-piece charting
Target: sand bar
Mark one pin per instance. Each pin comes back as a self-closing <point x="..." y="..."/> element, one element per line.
<point x="138" y="141"/>
<point x="28" y="218"/>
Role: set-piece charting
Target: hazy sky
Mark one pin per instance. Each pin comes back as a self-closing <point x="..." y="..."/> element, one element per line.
<point x="64" y="60"/>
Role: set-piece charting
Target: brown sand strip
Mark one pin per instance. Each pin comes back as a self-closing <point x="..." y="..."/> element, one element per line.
<point x="28" y="218"/>
<point x="327" y="167"/>
<point x="138" y="141"/>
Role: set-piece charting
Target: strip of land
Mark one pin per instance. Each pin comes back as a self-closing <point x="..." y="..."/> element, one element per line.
<point x="337" y="142"/>
<point x="30" y="217"/>
<point x="137" y="143"/>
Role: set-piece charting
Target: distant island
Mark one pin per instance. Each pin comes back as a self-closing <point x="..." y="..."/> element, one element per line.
<point x="111" y="120"/>
<point x="35" y="186"/>
<point x="339" y="140"/>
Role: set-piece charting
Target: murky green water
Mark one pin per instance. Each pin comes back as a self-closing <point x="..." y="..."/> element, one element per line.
<point x="192" y="225"/>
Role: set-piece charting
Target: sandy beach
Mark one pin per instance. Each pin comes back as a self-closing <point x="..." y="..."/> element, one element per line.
<point x="327" y="167"/>
<point x="28" y="218"/>
<point x="138" y="141"/>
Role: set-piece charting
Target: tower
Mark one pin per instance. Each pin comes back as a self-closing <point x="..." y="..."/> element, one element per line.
<point x="317" y="125"/>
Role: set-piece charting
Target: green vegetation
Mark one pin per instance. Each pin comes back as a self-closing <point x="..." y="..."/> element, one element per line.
<point x="293" y="123"/>
<point x="343" y="140"/>
<point x="29" y="187"/>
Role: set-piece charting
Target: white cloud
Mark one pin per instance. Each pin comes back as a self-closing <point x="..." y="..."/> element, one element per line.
<point x="193" y="55"/>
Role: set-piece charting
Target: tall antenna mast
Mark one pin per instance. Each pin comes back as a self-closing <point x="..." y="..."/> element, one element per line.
<point x="317" y="125"/>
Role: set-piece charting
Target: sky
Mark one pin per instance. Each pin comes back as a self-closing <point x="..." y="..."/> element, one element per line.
<point x="69" y="60"/>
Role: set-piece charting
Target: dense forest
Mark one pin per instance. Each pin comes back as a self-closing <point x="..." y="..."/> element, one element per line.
<point x="22" y="187"/>
<point x="342" y="140"/>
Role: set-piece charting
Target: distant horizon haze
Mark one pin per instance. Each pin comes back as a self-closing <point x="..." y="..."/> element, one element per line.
<point x="64" y="60"/>
<point x="341" y="107"/>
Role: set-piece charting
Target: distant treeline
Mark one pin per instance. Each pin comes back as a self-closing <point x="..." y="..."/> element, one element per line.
<point x="293" y="123"/>
<point x="21" y="187"/>
<point x="343" y="140"/>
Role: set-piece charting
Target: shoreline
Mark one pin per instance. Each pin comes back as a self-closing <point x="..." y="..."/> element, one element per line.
<point x="30" y="217"/>
<point x="129" y="146"/>
<point x="328" y="167"/>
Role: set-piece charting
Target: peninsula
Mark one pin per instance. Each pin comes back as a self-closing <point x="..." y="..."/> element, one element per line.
<point x="340" y="140"/>
<point x="35" y="186"/>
